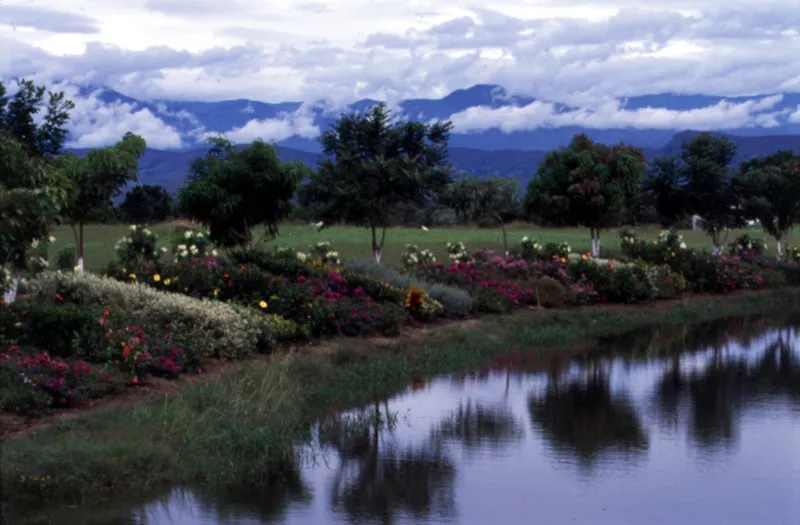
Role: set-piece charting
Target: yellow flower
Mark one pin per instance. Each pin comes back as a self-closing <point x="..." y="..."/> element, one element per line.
<point x="263" y="304"/>
<point x="216" y="293"/>
<point x="132" y="276"/>
<point x="563" y="259"/>
<point x="166" y="282"/>
<point x="124" y="270"/>
<point x="156" y="277"/>
<point x="583" y="256"/>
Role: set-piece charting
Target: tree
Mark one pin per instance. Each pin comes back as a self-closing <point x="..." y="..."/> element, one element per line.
<point x="146" y="204"/>
<point x="771" y="188"/>
<point x="32" y="195"/>
<point x="664" y="185"/>
<point x="98" y="177"/>
<point x="586" y="184"/>
<point x="699" y="182"/>
<point x="372" y="166"/>
<point x="232" y="190"/>
<point x="495" y="198"/>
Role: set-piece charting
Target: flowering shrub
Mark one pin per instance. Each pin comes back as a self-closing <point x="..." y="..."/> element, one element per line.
<point x="560" y="250"/>
<point x="140" y="245"/>
<point x="618" y="283"/>
<point x="745" y="246"/>
<point x="456" y="251"/>
<point x="413" y="256"/>
<point x="529" y="248"/>
<point x="723" y="274"/>
<point x="285" y="329"/>
<point x="420" y="305"/>
<point x="669" y="248"/>
<point x="193" y="244"/>
<point x="216" y="329"/>
<point x="793" y="253"/>
<point x="25" y="378"/>
<point x="323" y="253"/>
<point x="141" y="354"/>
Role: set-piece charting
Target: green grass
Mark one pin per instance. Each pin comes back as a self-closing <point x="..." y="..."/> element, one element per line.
<point x="237" y="430"/>
<point x="354" y="243"/>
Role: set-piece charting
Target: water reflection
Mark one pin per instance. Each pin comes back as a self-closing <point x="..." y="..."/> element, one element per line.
<point x="628" y="433"/>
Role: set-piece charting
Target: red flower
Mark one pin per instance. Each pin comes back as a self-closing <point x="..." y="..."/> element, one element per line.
<point x="59" y="298"/>
<point x="135" y="381"/>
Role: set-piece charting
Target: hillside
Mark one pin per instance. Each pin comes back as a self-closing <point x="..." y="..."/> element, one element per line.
<point x="169" y="168"/>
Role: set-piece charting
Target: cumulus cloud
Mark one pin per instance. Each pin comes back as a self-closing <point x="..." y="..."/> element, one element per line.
<point x="795" y="117"/>
<point x="611" y="114"/>
<point x="300" y="124"/>
<point x="45" y="19"/>
<point x="94" y="123"/>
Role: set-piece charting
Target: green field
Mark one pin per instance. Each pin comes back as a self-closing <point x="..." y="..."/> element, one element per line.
<point x="354" y="243"/>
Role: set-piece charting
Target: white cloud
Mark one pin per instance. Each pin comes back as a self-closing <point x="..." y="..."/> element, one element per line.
<point x="611" y="114"/>
<point x="795" y="117"/>
<point x="300" y="123"/>
<point x="94" y="123"/>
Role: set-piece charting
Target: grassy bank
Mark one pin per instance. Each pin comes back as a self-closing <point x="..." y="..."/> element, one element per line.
<point x="354" y="243"/>
<point x="238" y="430"/>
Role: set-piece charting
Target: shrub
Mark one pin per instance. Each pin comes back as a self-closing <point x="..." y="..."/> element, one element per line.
<point x="218" y="329"/>
<point x="616" y="282"/>
<point x="283" y="262"/>
<point x="66" y="260"/>
<point x="560" y="250"/>
<point x="457" y="251"/>
<point x="456" y="302"/>
<point x="412" y="256"/>
<point x="665" y="283"/>
<point x="192" y="244"/>
<point x="285" y="329"/>
<point x="324" y="253"/>
<point x="549" y="293"/>
<point x="61" y="330"/>
<point x="140" y="245"/>
<point x="793" y="253"/>
<point x="529" y="248"/>
<point x="746" y="246"/>
<point x="420" y="305"/>
<point x="722" y="274"/>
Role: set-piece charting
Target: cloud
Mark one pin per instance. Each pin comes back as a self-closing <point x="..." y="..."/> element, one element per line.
<point x="795" y="117"/>
<point x="611" y="114"/>
<point x="94" y="123"/>
<point x="45" y="19"/>
<point x="300" y="123"/>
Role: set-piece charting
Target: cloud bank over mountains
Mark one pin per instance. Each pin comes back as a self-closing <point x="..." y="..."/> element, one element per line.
<point x="566" y="65"/>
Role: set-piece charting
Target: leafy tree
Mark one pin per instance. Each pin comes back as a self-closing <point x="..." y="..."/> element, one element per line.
<point x="495" y="198"/>
<point x="771" y="187"/>
<point x="147" y="204"/>
<point x="664" y="184"/>
<point x="373" y="166"/>
<point x="699" y="182"/>
<point x="586" y="184"/>
<point x="32" y="195"/>
<point x="18" y="116"/>
<point x="232" y="190"/>
<point x="98" y="177"/>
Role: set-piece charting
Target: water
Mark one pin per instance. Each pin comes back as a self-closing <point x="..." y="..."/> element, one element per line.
<point x="675" y="426"/>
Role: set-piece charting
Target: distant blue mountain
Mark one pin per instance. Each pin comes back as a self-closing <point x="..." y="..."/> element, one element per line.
<point x="169" y="168"/>
<point x="224" y="116"/>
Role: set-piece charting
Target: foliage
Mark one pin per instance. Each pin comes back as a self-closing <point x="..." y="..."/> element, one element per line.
<point x="586" y="184"/>
<point x="556" y="250"/>
<point x="324" y="253"/>
<point x="745" y="246"/>
<point x="771" y="188"/>
<point x="146" y="204"/>
<point x="530" y="248"/>
<point x="793" y="253"/>
<point x="413" y="256"/>
<point x="420" y="305"/>
<point x="65" y="260"/>
<point x="699" y="182"/>
<point x="218" y="329"/>
<point x="457" y="251"/>
<point x="192" y="244"/>
<point x="138" y="247"/>
<point x="372" y="166"/>
<point x="233" y="190"/>
<point x="98" y="177"/>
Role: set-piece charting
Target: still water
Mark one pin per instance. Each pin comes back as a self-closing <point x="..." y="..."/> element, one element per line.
<point x="678" y="425"/>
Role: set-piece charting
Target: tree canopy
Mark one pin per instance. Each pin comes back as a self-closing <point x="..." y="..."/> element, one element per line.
<point x="98" y="177"/>
<point x="233" y="190"/>
<point x="586" y="184"/>
<point x="699" y="182"/>
<point x="770" y="187"/>
<point x="146" y="204"/>
<point x="374" y="165"/>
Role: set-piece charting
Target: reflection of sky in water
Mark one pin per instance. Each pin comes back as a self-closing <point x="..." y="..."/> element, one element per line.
<point x="750" y="477"/>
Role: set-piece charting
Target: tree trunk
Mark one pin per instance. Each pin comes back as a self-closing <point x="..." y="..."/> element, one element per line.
<point x="80" y="248"/>
<point x="377" y="247"/>
<point x="505" y="234"/>
<point x="595" y="233"/>
<point x="780" y="251"/>
<point x="10" y="295"/>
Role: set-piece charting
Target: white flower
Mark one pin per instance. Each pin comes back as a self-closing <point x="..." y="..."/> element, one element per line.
<point x="214" y="253"/>
<point x="199" y="235"/>
<point x="163" y="249"/>
<point x="132" y="227"/>
<point x="35" y="243"/>
<point x="187" y="235"/>
<point x="301" y="257"/>
<point x="181" y="247"/>
<point x="51" y="239"/>
<point x="193" y="249"/>
<point x="683" y="246"/>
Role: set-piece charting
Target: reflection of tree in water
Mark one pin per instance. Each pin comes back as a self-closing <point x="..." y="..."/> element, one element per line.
<point x="717" y="394"/>
<point x="377" y="480"/>
<point x="582" y="418"/>
<point x="477" y="426"/>
<point x="266" y="503"/>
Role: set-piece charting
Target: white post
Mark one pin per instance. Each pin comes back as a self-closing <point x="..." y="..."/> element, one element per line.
<point x="377" y="256"/>
<point x="10" y="294"/>
<point x="80" y="265"/>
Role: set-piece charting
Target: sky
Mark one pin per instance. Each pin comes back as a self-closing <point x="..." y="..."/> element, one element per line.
<point x="588" y="53"/>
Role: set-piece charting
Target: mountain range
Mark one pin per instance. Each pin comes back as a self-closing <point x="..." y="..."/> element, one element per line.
<point x="509" y="141"/>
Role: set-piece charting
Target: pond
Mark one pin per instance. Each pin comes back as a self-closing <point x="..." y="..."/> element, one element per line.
<point x="695" y="424"/>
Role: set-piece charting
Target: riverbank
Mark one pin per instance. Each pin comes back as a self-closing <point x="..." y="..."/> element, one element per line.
<point x="238" y="428"/>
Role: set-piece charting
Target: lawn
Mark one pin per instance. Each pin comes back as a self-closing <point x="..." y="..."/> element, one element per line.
<point x="354" y="242"/>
